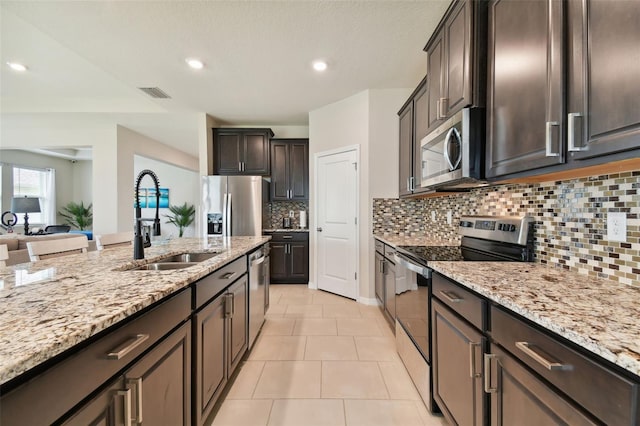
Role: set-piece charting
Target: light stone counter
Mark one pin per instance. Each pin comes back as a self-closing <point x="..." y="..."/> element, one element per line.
<point x="414" y="240"/>
<point x="598" y="315"/>
<point x="47" y="307"/>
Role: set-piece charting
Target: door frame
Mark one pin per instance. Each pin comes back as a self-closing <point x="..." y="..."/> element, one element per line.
<point x="316" y="158"/>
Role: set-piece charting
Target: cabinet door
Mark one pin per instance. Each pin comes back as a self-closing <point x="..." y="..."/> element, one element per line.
<point x="521" y="398"/>
<point x="238" y="323"/>
<point x="106" y="409"/>
<point x="525" y="86"/>
<point x="457" y="59"/>
<point x="278" y="262"/>
<point x="228" y="151"/>
<point x="379" y="279"/>
<point x="279" y="171"/>
<point x="457" y="368"/>
<point x="434" y="81"/>
<point x="161" y="382"/>
<point x="299" y="170"/>
<point x="390" y="291"/>
<point x="406" y="150"/>
<point x="256" y="153"/>
<point x="210" y="357"/>
<point x="299" y="262"/>
<point x="604" y="94"/>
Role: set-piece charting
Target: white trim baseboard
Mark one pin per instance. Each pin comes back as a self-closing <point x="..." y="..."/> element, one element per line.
<point x="368" y="301"/>
<point x="312" y="285"/>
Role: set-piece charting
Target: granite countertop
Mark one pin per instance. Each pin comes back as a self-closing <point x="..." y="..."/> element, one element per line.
<point x="285" y="230"/>
<point x="598" y="315"/>
<point x="415" y="240"/>
<point x="51" y="305"/>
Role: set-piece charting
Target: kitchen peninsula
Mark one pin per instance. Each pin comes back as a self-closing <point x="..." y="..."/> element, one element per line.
<point x="56" y="311"/>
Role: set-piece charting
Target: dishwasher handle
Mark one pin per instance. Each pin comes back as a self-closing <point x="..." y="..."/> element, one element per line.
<point x="257" y="261"/>
<point x="419" y="269"/>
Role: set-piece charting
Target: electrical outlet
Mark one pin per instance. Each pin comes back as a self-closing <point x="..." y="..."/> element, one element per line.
<point x="290" y="213"/>
<point x="433" y="215"/>
<point x="617" y="226"/>
<point x="449" y="217"/>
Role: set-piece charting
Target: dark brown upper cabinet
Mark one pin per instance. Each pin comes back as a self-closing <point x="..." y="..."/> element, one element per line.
<point x="289" y="169"/>
<point x="239" y="151"/>
<point x="413" y="127"/>
<point x="539" y="122"/>
<point x="456" y="61"/>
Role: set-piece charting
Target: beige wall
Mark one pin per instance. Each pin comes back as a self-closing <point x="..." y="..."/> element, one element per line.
<point x="369" y="120"/>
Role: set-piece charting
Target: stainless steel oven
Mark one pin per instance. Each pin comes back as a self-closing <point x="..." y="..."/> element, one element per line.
<point x="452" y="156"/>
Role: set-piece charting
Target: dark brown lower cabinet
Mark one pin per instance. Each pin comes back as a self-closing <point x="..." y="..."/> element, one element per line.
<point x="221" y="336"/>
<point x="520" y="398"/>
<point x="156" y="390"/>
<point x="379" y="279"/>
<point x="289" y="261"/>
<point x="457" y="368"/>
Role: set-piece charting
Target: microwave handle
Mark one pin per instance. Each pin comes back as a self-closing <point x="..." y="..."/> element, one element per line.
<point x="452" y="131"/>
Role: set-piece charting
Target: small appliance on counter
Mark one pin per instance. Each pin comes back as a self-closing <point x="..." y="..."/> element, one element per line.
<point x="303" y="219"/>
<point x="286" y="223"/>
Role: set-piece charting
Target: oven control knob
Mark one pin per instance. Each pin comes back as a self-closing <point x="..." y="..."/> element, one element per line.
<point x="512" y="228"/>
<point x="499" y="227"/>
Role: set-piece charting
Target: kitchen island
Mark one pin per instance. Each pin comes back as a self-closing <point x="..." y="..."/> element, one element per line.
<point x="50" y="308"/>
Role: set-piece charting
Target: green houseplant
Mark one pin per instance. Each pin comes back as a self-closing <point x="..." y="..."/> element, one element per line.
<point x="77" y="215"/>
<point x="182" y="216"/>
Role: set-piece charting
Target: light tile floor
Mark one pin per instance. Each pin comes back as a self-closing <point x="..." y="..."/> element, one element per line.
<point x="323" y="360"/>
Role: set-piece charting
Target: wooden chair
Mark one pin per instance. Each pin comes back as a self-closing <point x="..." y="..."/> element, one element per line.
<point x="118" y="239"/>
<point x="39" y="250"/>
<point x="4" y="255"/>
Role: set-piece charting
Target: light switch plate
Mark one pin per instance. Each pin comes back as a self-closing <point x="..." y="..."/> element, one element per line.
<point x="617" y="226"/>
<point x="433" y="215"/>
<point x="449" y="217"/>
<point x="291" y="213"/>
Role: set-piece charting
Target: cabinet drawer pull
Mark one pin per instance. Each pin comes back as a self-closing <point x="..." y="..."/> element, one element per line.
<point x="526" y="348"/>
<point x="549" y="138"/>
<point x="571" y="133"/>
<point x="451" y="296"/>
<point x="126" y="347"/>
<point x="229" y="275"/>
<point x="137" y="384"/>
<point x="487" y="373"/>
<point x="472" y="359"/>
<point x="287" y="237"/>
<point x="126" y="405"/>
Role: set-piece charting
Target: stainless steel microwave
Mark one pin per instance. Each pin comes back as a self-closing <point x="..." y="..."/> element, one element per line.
<point x="452" y="156"/>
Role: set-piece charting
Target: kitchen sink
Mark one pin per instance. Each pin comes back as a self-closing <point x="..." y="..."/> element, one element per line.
<point x="162" y="266"/>
<point x="188" y="257"/>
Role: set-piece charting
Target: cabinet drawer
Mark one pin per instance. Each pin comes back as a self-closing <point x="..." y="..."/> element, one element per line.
<point x="287" y="237"/>
<point x="379" y="246"/>
<point x="51" y="394"/>
<point x="463" y="302"/>
<point x="607" y="395"/>
<point x="207" y="287"/>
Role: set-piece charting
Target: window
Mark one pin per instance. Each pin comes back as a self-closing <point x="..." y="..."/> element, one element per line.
<point x="33" y="182"/>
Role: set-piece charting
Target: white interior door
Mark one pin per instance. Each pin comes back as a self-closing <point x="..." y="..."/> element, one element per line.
<point x="336" y="232"/>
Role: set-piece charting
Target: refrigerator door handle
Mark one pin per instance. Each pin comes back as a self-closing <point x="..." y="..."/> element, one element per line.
<point x="228" y="212"/>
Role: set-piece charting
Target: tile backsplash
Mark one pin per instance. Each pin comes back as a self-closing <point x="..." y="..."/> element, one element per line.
<point x="274" y="211"/>
<point x="571" y="219"/>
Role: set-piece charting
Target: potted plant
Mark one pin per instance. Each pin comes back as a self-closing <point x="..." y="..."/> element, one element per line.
<point x="77" y="215"/>
<point x="182" y="217"/>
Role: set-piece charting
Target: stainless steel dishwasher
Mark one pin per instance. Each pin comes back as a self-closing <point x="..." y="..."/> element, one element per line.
<point x="257" y="291"/>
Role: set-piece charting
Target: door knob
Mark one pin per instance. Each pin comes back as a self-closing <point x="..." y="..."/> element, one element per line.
<point x="319" y="229"/>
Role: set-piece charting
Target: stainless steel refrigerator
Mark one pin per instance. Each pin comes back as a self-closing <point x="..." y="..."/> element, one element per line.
<point x="232" y="205"/>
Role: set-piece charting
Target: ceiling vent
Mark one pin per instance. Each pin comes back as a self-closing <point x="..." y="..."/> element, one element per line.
<point x="155" y="92"/>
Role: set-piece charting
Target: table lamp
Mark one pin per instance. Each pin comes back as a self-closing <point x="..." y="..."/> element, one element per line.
<point x="25" y="205"/>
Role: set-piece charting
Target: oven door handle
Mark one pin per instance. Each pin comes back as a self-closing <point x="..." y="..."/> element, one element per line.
<point x="419" y="269"/>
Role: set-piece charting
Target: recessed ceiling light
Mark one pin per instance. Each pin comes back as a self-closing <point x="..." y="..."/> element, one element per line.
<point x="319" y="65"/>
<point x="196" y="64"/>
<point x="16" y="66"/>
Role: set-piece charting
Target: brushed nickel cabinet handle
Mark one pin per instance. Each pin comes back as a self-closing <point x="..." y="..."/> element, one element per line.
<point x="526" y="347"/>
<point x="126" y="405"/>
<point x="548" y="139"/>
<point x="123" y="349"/>
<point x="228" y="306"/>
<point x="442" y="108"/>
<point x="287" y="237"/>
<point x="137" y="384"/>
<point x="472" y="359"/>
<point x="451" y="296"/>
<point x="571" y="133"/>
<point x="229" y="275"/>
<point x="487" y="374"/>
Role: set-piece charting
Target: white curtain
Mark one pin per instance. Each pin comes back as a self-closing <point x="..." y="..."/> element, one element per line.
<point x="49" y="199"/>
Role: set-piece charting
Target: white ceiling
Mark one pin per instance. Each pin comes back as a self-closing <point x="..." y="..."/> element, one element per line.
<point x="91" y="56"/>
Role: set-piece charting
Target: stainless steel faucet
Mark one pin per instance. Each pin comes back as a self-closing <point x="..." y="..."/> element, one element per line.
<point x="138" y="242"/>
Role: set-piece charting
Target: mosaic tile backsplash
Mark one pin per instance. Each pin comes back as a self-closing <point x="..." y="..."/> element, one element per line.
<point x="275" y="211"/>
<point x="571" y="220"/>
